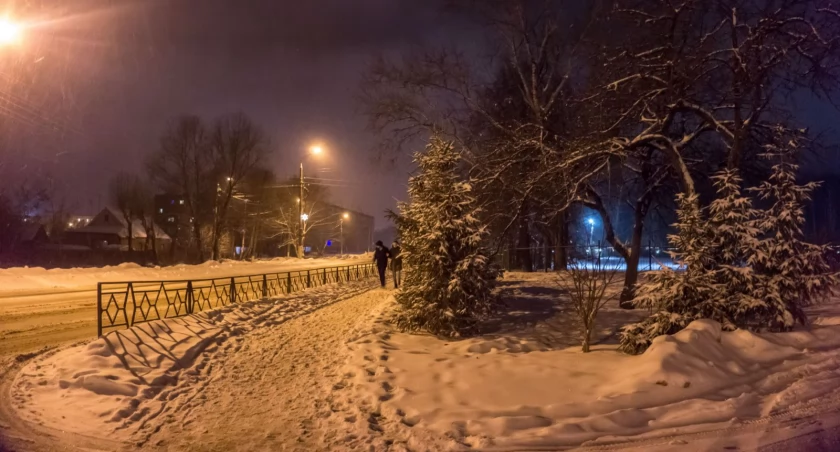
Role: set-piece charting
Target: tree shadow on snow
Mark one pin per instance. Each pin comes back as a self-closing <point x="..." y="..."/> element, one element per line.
<point x="539" y="310"/>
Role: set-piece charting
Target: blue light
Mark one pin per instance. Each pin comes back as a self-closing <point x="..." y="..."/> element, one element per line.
<point x="591" y="222"/>
<point x="329" y="242"/>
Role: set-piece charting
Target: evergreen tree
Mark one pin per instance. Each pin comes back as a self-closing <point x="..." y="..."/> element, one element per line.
<point x="678" y="297"/>
<point x="745" y="268"/>
<point x="734" y="244"/>
<point x="797" y="271"/>
<point x="448" y="284"/>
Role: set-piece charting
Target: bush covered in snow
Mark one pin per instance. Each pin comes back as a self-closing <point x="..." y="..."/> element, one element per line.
<point x="744" y="267"/>
<point x="448" y="281"/>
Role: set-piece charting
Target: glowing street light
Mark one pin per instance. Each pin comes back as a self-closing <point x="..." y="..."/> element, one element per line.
<point x="9" y="31"/>
<point x="591" y="231"/>
<point x="345" y="216"/>
<point x="314" y="150"/>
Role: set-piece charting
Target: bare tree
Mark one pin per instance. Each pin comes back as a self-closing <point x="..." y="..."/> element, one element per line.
<point x="126" y="194"/>
<point x="238" y="146"/>
<point x="143" y="210"/>
<point x="184" y="164"/>
<point x="587" y="285"/>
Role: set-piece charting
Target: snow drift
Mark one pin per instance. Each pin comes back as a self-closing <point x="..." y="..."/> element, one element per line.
<point x="510" y="393"/>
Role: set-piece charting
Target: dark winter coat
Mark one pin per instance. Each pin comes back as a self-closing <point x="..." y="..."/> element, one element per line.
<point x="396" y="258"/>
<point x="380" y="256"/>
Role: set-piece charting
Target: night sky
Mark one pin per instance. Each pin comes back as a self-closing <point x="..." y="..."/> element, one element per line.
<point x="93" y="83"/>
<point x="105" y="79"/>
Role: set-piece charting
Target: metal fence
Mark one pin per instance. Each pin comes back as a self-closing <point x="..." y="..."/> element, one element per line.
<point x="126" y="303"/>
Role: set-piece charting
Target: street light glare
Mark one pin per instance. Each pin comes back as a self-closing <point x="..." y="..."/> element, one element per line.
<point x="304" y="217"/>
<point x="591" y="221"/>
<point x="9" y="31"/>
<point x="346" y="216"/>
<point x="316" y="149"/>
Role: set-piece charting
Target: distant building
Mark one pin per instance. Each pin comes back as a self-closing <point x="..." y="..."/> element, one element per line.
<point x="108" y="229"/>
<point x="171" y="214"/>
<point x="327" y="235"/>
<point x="33" y="234"/>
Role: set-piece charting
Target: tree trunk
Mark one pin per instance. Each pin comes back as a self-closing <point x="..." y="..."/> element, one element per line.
<point x="523" y="246"/>
<point x="130" y="235"/>
<point x="216" y="240"/>
<point x="631" y="276"/>
<point x="197" y="236"/>
<point x="587" y="333"/>
<point x="561" y="255"/>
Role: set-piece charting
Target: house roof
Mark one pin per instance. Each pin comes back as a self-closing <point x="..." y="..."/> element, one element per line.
<point x="30" y="231"/>
<point x="119" y="227"/>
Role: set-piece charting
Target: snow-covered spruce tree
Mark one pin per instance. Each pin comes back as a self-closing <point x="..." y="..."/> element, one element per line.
<point x="678" y="297"/>
<point x="733" y="251"/>
<point x="448" y="286"/>
<point x="797" y="271"/>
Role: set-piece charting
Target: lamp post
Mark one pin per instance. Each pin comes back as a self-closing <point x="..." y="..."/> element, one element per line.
<point x="341" y="230"/>
<point x="314" y="150"/>
<point x="591" y="232"/>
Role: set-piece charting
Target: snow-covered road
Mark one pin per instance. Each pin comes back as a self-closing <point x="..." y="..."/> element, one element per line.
<point x="41" y="307"/>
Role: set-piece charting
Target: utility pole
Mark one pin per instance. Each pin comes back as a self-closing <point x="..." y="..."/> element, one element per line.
<point x="300" y="215"/>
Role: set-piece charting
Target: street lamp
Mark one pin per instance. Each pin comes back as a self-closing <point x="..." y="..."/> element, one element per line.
<point x="9" y="31"/>
<point x="341" y="230"/>
<point x="314" y="150"/>
<point x="591" y="231"/>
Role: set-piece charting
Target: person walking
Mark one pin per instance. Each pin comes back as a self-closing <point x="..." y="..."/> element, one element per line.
<point x="380" y="258"/>
<point x="396" y="263"/>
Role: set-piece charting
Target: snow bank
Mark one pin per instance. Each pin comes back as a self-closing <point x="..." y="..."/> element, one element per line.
<point x="512" y="393"/>
<point x="125" y="378"/>
<point x="38" y="278"/>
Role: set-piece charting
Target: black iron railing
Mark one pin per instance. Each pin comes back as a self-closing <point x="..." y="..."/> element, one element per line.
<point x="126" y="303"/>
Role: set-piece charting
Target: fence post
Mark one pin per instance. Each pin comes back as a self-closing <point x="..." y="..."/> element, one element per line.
<point x="288" y="282"/>
<point x="189" y="297"/>
<point x="99" y="309"/>
<point x="348" y="274"/>
<point x="308" y="279"/>
<point x="233" y="290"/>
<point x="133" y="306"/>
<point x="324" y="279"/>
<point x="265" y="286"/>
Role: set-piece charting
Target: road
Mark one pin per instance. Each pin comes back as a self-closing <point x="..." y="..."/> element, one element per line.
<point x="33" y="319"/>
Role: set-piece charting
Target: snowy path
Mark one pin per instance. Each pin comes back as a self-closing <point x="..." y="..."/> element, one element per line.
<point x="271" y="393"/>
<point x="254" y="376"/>
<point x="41" y="308"/>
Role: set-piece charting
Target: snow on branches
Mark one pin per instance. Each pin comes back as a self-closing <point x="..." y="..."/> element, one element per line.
<point x="744" y="267"/>
<point x="448" y="284"/>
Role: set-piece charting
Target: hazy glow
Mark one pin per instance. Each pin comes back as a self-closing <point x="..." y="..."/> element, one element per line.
<point x="316" y="149"/>
<point x="304" y="217"/>
<point x="346" y="216"/>
<point x="9" y="31"/>
<point x="591" y="221"/>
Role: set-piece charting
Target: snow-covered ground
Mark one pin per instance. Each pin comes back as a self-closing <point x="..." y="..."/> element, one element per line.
<point x="526" y="386"/>
<point x="38" y="279"/>
<point x="309" y="372"/>
<point x="229" y="376"/>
